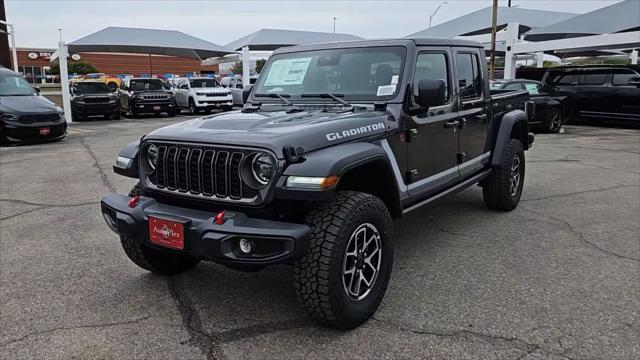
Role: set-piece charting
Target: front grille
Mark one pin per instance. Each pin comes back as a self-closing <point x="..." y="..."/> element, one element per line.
<point x="97" y="100"/>
<point x="39" y="118"/>
<point x="205" y="171"/>
<point x="155" y="96"/>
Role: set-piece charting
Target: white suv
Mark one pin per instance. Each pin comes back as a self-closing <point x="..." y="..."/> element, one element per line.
<point x="201" y="93"/>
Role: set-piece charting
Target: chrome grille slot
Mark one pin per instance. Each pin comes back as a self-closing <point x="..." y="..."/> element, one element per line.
<point x="206" y="172"/>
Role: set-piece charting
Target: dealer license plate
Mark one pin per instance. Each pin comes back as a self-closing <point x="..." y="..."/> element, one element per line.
<point x="157" y="108"/>
<point x="44" y="131"/>
<point x="166" y="233"/>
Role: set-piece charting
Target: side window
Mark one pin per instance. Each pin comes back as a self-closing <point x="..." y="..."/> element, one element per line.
<point x="622" y="77"/>
<point x="513" y="86"/>
<point x="431" y="67"/>
<point x="593" y="78"/>
<point x="469" y="80"/>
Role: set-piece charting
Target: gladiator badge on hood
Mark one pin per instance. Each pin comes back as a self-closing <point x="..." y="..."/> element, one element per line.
<point x="355" y="131"/>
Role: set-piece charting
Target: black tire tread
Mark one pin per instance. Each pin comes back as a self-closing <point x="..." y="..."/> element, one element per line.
<point x="495" y="189"/>
<point x="311" y="273"/>
<point x="157" y="261"/>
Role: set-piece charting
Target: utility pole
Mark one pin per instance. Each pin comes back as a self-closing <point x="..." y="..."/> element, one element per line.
<point x="5" y="60"/>
<point x="334" y="24"/>
<point x="509" y="3"/>
<point x="494" y="20"/>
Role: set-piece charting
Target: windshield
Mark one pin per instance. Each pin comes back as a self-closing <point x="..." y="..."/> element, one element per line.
<point x="356" y="74"/>
<point x="147" y="84"/>
<point x="203" y="83"/>
<point x="91" y="88"/>
<point x="13" y="85"/>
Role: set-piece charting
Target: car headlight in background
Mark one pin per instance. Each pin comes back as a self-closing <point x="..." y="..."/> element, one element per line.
<point x="152" y="156"/>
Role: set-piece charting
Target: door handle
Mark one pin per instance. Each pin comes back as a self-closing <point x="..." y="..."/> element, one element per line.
<point x="451" y="124"/>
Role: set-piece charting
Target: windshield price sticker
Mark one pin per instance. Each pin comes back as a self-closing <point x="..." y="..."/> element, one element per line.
<point x="288" y="72"/>
<point x="386" y="90"/>
<point x="394" y="79"/>
<point x="532" y="89"/>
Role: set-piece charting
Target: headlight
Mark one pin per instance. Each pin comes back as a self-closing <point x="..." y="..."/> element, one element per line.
<point x="263" y="168"/>
<point x="152" y="156"/>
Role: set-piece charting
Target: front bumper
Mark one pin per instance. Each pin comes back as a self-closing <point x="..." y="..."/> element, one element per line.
<point x="94" y="109"/>
<point x="217" y="101"/>
<point x="153" y="107"/>
<point x="31" y="133"/>
<point x="274" y="242"/>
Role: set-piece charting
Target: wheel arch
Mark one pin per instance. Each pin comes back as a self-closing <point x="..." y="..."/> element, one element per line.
<point x="514" y="125"/>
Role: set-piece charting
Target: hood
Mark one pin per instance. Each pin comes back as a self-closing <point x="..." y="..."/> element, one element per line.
<point x="27" y="105"/>
<point x="309" y="130"/>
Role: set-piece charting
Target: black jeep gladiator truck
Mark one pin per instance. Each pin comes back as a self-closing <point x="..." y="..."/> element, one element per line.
<point x="334" y="141"/>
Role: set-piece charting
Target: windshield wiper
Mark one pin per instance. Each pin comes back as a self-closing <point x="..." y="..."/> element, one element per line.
<point x="282" y="97"/>
<point x="335" y="97"/>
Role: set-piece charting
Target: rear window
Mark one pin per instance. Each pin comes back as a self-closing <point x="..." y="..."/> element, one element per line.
<point x="622" y="77"/>
<point x="562" y="78"/>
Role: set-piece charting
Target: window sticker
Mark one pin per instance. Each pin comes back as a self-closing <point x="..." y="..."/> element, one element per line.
<point x="386" y="90"/>
<point x="532" y="89"/>
<point x="394" y="79"/>
<point x="287" y="72"/>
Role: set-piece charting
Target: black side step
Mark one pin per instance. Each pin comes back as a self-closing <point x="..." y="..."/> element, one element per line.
<point x="452" y="190"/>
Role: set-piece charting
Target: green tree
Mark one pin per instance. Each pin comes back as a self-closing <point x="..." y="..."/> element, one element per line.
<point x="260" y="64"/>
<point x="75" y="67"/>
<point x="237" y="68"/>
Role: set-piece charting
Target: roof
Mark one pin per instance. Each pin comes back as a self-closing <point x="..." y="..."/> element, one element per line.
<point x="271" y="39"/>
<point x="382" y="42"/>
<point x="147" y="41"/>
<point x="619" y="17"/>
<point x="479" y="22"/>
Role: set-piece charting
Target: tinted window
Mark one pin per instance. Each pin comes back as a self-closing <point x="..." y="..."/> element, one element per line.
<point x="203" y="83"/>
<point x="622" y="77"/>
<point x="513" y="86"/>
<point x="431" y="67"/>
<point x="469" y="80"/>
<point x="91" y="88"/>
<point x="13" y="85"/>
<point x="593" y="78"/>
<point x="147" y="84"/>
<point x="561" y="78"/>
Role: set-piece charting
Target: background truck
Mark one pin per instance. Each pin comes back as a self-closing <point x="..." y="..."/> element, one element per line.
<point x="146" y="95"/>
<point x="201" y="94"/>
<point x="334" y="141"/>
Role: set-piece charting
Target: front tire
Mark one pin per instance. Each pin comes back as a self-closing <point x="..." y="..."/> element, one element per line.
<point x="192" y="107"/>
<point x="503" y="188"/>
<point x="343" y="278"/>
<point x="157" y="261"/>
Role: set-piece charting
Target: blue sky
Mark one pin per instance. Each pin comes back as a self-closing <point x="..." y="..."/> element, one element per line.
<point x="224" y="21"/>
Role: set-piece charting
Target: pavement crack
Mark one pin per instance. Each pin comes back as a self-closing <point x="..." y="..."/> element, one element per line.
<point x="62" y="328"/>
<point x="261" y="329"/>
<point x="39" y="206"/>
<point x="578" y="193"/>
<point x="582" y="237"/>
<point x="101" y="173"/>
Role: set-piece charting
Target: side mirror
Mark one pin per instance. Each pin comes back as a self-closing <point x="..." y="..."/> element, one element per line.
<point x="635" y="81"/>
<point x="37" y="89"/>
<point x="245" y="93"/>
<point x="431" y="93"/>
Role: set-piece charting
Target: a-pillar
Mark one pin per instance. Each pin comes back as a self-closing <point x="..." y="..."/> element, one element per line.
<point x="63" y="53"/>
<point x="246" y="63"/>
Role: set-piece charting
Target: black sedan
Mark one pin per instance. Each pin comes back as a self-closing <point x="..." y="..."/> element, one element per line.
<point x="25" y="116"/>
<point x="93" y="98"/>
<point x="552" y="108"/>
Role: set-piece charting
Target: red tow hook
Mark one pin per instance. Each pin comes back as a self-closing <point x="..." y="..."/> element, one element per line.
<point x="133" y="202"/>
<point x="220" y="218"/>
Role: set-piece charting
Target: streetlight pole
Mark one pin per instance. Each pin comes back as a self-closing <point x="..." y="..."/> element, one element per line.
<point x="494" y="20"/>
<point x="334" y="24"/>
<point x="435" y="12"/>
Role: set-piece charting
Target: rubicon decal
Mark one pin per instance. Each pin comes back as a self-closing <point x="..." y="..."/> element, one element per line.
<point x="355" y="131"/>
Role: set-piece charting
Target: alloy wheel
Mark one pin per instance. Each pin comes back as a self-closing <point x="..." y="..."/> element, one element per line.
<point x="362" y="260"/>
<point x="514" y="178"/>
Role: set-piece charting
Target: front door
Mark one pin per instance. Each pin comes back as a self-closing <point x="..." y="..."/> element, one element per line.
<point x="473" y="153"/>
<point x="432" y="137"/>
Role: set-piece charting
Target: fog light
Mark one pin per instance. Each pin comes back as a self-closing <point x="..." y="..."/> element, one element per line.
<point x="245" y="246"/>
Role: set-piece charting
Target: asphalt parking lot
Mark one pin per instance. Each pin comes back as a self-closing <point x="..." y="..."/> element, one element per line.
<point x="558" y="278"/>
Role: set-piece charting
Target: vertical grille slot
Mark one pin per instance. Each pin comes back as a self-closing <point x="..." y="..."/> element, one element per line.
<point x="207" y="173"/>
<point x="161" y="168"/>
<point x="183" y="175"/>
<point x="235" y="182"/>
<point x="221" y="173"/>
<point x="171" y="166"/>
<point x="195" y="171"/>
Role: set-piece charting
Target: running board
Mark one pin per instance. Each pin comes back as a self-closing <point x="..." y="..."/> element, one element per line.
<point x="452" y="190"/>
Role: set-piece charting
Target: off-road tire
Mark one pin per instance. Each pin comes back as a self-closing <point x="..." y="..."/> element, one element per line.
<point x="318" y="276"/>
<point x="161" y="262"/>
<point x="496" y="188"/>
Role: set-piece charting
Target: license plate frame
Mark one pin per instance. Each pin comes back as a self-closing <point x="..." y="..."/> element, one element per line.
<point x="166" y="233"/>
<point x="44" y="131"/>
<point x="157" y="108"/>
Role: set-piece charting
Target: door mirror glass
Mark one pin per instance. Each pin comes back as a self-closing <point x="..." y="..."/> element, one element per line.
<point x="246" y="92"/>
<point x="431" y="93"/>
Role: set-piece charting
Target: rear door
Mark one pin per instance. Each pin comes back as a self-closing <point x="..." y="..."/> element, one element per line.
<point x="433" y="137"/>
<point x="625" y="98"/>
<point x="474" y="99"/>
<point x="591" y="91"/>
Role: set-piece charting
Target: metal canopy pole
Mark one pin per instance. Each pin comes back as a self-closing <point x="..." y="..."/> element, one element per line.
<point x="510" y="54"/>
<point x="494" y="20"/>
<point x="246" y="63"/>
<point x="634" y="57"/>
<point x="64" y="80"/>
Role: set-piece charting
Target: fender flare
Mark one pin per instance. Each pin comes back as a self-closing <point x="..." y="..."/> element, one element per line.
<point x="514" y="124"/>
<point x="131" y="152"/>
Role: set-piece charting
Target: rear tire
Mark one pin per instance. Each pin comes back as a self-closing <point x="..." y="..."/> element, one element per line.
<point x="503" y="188"/>
<point x="343" y="278"/>
<point x="554" y="123"/>
<point x="157" y="261"/>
